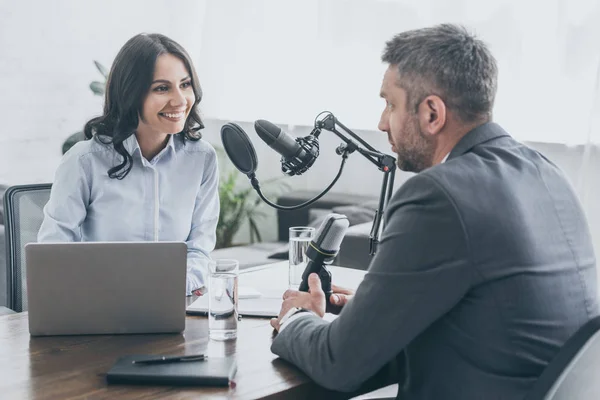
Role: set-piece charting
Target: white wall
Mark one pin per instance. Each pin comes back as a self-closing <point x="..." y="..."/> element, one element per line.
<point x="47" y="50"/>
<point x="300" y="57"/>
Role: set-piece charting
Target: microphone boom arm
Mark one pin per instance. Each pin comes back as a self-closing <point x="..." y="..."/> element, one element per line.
<point x="385" y="163"/>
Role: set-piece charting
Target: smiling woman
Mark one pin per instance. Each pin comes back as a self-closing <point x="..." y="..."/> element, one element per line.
<point x="166" y="106"/>
<point x="152" y="74"/>
<point x="145" y="174"/>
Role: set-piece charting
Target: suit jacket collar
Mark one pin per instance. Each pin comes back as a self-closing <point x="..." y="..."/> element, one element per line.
<point x="476" y="136"/>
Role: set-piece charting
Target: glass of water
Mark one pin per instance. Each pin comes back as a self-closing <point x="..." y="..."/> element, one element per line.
<point x="223" y="299"/>
<point x="300" y="237"/>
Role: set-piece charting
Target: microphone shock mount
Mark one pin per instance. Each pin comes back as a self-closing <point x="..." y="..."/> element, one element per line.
<point x="297" y="166"/>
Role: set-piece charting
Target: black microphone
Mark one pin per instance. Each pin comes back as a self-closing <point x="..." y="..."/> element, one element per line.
<point x="323" y="249"/>
<point x="297" y="155"/>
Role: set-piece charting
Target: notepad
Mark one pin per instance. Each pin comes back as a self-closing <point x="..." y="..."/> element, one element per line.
<point x="247" y="292"/>
<point x="211" y="372"/>
<point x="265" y="305"/>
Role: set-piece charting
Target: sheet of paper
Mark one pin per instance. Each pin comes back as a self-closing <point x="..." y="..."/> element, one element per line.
<point x="247" y="292"/>
<point x="262" y="306"/>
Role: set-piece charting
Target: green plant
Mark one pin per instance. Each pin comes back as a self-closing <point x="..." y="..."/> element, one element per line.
<point x="238" y="205"/>
<point x="99" y="87"/>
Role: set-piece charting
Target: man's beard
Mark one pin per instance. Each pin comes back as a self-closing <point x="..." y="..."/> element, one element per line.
<point x="416" y="153"/>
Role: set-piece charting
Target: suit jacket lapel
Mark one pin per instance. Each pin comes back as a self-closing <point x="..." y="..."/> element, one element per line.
<point x="481" y="134"/>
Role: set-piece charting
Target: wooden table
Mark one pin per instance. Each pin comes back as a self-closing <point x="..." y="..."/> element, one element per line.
<point x="62" y="367"/>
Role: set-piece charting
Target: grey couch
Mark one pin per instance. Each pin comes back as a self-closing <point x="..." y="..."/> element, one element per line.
<point x="354" y="252"/>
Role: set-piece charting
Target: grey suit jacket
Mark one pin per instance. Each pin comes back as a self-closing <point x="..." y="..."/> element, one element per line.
<point x="485" y="268"/>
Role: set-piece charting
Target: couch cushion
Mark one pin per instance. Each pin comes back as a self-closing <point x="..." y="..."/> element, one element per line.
<point x="354" y="251"/>
<point x="357" y="214"/>
<point x="300" y="217"/>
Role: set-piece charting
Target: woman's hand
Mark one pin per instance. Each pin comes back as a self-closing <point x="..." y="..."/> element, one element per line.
<point x="199" y="292"/>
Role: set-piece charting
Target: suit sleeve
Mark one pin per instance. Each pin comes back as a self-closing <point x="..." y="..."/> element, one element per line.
<point x="420" y="271"/>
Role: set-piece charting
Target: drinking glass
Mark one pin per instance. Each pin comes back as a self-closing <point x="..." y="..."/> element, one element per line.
<point x="300" y="237"/>
<point x="223" y="299"/>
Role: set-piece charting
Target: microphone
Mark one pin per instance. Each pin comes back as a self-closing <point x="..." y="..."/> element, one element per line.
<point x="297" y="155"/>
<point x="323" y="249"/>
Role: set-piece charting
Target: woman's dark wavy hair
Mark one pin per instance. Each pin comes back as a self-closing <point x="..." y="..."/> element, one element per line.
<point x="128" y="84"/>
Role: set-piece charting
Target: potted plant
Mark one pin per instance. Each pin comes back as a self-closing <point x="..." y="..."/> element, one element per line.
<point x="241" y="204"/>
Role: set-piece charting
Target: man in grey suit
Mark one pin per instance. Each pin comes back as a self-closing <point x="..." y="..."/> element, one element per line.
<point x="485" y="265"/>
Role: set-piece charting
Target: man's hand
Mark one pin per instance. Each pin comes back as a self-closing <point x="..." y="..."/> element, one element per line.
<point x="340" y="296"/>
<point x="314" y="300"/>
<point x="199" y="292"/>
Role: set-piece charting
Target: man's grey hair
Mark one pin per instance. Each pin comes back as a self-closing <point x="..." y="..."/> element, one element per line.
<point x="447" y="61"/>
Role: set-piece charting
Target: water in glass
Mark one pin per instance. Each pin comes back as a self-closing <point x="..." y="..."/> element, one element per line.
<point x="222" y="305"/>
<point x="298" y="260"/>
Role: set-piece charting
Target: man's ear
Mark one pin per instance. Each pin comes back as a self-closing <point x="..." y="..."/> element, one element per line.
<point x="432" y="115"/>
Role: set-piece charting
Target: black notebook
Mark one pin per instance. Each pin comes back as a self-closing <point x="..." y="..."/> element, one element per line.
<point x="210" y="372"/>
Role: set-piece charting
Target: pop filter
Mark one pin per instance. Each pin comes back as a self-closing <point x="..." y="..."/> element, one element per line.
<point x="239" y="148"/>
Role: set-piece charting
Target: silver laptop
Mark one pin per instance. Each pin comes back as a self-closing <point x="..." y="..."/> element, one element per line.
<point x="106" y="287"/>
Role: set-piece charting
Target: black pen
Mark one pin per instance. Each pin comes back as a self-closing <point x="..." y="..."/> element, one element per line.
<point x="167" y="360"/>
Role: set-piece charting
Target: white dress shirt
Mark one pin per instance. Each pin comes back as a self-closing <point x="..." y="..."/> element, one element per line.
<point x="173" y="197"/>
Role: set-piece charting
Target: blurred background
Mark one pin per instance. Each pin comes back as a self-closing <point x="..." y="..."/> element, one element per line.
<point x="286" y="61"/>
